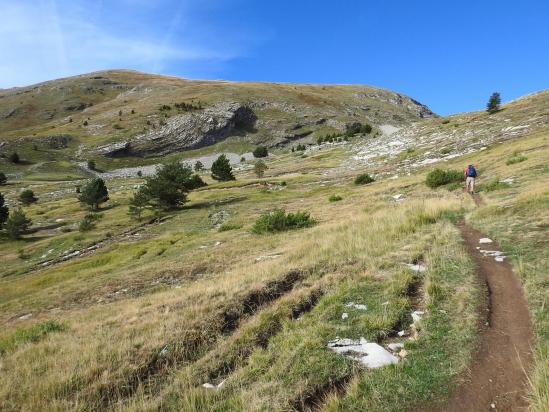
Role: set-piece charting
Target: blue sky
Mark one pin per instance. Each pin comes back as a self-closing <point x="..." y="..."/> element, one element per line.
<point x="448" y="55"/>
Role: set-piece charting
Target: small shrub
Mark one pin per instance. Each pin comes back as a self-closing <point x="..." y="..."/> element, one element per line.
<point x="198" y="166"/>
<point x="517" y="158"/>
<point x="439" y="177"/>
<point x="27" y="197"/>
<point x="229" y="226"/>
<point x="279" y="221"/>
<point x="117" y="126"/>
<point x="260" y="151"/>
<point x="283" y="183"/>
<point x="445" y="121"/>
<point x="3" y="179"/>
<point x="91" y="164"/>
<point x="85" y="123"/>
<point x="14" y="158"/>
<point x="139" y="173"/>
<point x="335" y="198"/>
<point x="363" y="179"/>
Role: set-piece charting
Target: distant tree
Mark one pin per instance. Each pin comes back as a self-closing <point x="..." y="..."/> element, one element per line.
<point x="4" y="211"/>
<point x="259" y="168"/>
<point x="91" y="164"/>
<point x="494" y="102"/>
<point x="133" y="111"/>
<point x="260" y="151"/>
<point x="14" y="158"/>
<point x="70" y="119"/>
<point x="138" y="203"/>
<point x="119" y="113"/>
<point x="139" y="173"/>
<point x="357" y="127"/>
<point x="3" y="179"/>
<point x="94" y="193"/>
<point x="222" y="170"/>
<point x="293" y="149"/>
<point x="85" y="123"/>
<point x="198" y="166"/>
<point x="17" y="224"/>
<point x="27" y="197"/>
<point x="168" y="188"/>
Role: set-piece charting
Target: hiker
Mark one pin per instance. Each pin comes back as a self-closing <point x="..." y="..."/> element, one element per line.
<point x="470" y="175"/>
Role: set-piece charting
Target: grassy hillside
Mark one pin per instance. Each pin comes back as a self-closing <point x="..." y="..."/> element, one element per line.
<point x="147" y="312"/>
<point x="101" y="108"/>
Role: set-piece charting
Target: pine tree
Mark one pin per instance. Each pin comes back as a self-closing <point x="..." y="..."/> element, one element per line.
<point x="198" y="166"/>
<point x="17" y="224"/>
<point x="94" y="193"/>
<point x="222" y="170"/>
<point x="259" y="168"/>
<point x="4" y="211"/>
<point x="168" y="188"/>
<point x="493" y="103"/>
<point x="138" y="203"/>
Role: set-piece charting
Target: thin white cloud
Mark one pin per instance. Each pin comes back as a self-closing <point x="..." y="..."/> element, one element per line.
<point x="49" y="39"/>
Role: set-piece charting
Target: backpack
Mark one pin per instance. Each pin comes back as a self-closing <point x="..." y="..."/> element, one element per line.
<point x="471" y="172"/>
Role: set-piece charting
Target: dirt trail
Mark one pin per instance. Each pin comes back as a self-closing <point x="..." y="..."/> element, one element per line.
<point x="497" y="378"/>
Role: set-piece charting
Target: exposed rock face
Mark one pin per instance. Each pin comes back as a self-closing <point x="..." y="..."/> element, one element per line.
<point x="187" y="131"/>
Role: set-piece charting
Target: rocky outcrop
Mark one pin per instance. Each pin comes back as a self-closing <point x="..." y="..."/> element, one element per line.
<point x="187" y="131"/>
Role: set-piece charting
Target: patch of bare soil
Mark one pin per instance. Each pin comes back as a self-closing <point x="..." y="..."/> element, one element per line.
<point x="497" y="377"/>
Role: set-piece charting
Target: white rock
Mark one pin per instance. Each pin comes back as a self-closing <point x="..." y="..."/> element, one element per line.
<point x="344" y="315"/>
<point x="402" y="333"/>
<point x="396" y="346"/>
<point x="485" y="240"/>
<point x="417" y="315"/>
<point x="25" y="317"/>
<point x="416" y="268"/>
<point x="217" y="243"/>
<point x="369" y="354"/>
<point x="359" y="306"/>
<point x="398" y="196"/>
<point x="499" y="258"/>
<point x="208" y="385"/>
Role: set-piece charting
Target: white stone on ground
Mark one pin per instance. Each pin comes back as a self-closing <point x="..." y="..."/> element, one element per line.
<point x="396" y="346"/>
<point x="402" y="333"/>
<point x="369" y="354"/>
<point x="25" y="317"/>
<point x="398" y="196"/>
<point x="355" y="305"/>
<point x="499" y="258"/>
<point x="485" y="240"/>
<point x="417" y="315"/>
<point x="209" y="385"/>
<point x="416" y="268"/>
<point x="344" y="315"/>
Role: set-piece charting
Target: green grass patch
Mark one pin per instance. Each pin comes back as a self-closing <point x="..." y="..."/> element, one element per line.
<point x="32" y="334"/>
<point x="225" y="227"/>
<point x="335" y="198"/>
